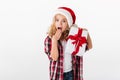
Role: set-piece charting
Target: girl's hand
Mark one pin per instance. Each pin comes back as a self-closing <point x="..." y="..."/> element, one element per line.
<point x="58" y="34"/>
<point x="54" y="50"/>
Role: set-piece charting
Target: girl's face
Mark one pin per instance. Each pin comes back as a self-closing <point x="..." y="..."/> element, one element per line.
<point x="61" y="22"/>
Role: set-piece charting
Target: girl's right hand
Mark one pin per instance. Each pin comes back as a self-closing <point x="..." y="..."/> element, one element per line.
<point x="58" y="34"/>
<point x="54" y="50"/>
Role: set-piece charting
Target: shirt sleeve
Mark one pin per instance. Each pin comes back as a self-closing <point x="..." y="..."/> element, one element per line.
<point x="47" y="46"/>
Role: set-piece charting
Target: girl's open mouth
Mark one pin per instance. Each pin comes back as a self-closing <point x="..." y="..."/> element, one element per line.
<point x="59" y="28"/>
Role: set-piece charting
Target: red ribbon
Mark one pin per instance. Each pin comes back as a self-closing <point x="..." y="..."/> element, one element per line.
<point x="78" y="40"/>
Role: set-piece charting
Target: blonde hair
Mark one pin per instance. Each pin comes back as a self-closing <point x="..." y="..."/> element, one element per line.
<point x="52" y="30"/>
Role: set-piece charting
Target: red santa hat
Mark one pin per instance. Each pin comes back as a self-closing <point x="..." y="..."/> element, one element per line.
<point x="68" y="13"/>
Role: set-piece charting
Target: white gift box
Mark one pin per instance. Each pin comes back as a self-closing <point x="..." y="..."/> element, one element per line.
<point x="72" y="45"/>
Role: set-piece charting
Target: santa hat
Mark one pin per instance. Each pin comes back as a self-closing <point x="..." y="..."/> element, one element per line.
<point x="68" y="13"/>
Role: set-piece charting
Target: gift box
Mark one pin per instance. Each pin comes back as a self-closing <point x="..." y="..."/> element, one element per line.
<point x="76" y="41"/>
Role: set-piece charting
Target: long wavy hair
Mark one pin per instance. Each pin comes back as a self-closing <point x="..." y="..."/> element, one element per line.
<point x="52" y="30"/>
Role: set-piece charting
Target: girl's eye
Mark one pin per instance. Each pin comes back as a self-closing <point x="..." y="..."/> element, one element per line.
<point x="56" y="20"/>
<point x="64" y="21"/>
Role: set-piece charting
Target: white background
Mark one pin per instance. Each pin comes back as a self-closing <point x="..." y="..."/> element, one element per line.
<point x="23" y="27"/>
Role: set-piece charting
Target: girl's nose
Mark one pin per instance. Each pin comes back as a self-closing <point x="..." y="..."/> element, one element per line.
<point x="60" y="22"/>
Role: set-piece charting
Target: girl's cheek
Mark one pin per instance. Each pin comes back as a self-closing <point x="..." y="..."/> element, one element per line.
<point x="63" y="29"/>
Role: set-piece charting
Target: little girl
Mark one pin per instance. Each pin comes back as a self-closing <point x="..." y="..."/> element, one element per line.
<point x="63" y="66"/>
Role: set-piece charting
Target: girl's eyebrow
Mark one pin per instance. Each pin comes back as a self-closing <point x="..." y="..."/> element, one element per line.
<point x="64" y="19"/>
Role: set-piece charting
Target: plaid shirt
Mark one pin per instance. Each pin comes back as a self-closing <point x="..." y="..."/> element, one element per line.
<point x="56" y="67"/>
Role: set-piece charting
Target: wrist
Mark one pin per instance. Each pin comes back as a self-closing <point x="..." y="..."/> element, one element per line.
<point x="54" y="38"/>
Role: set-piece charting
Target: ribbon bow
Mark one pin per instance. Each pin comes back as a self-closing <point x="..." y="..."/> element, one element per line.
<point x="78" y="40"/>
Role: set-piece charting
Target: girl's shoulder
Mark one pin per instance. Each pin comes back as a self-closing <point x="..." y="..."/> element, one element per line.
<point x="47" y="38"/>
